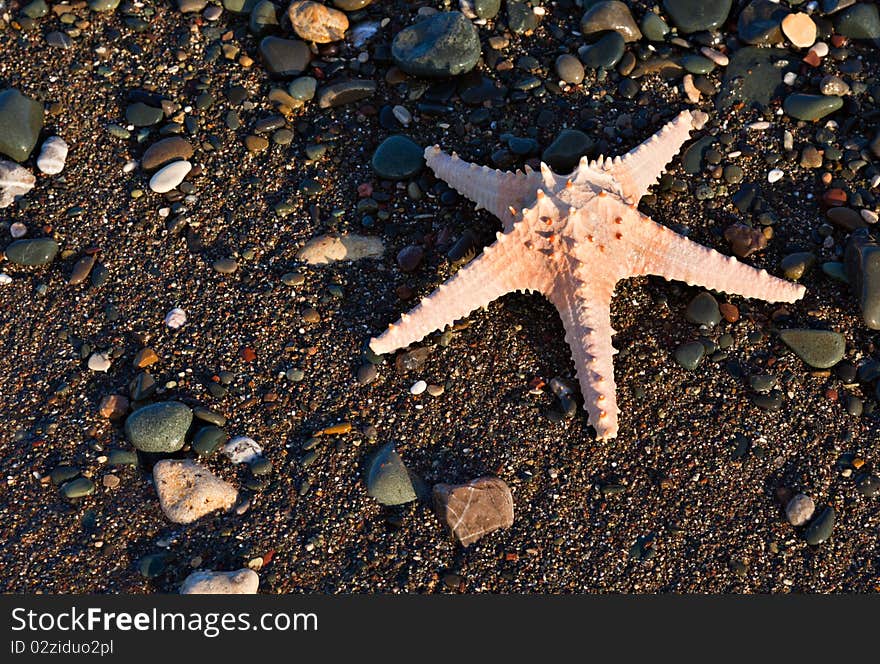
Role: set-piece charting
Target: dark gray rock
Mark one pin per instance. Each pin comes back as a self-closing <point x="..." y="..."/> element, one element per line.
<point x="820" y="529"/>
<point x="388" y="480"/>
<point x="696" y="15"/>
<point x="689" y="355"/>
<point x="398" y="158"/>
<point x="810" y="107"/>
<point x="21" y="119"/>
<point x="820" y="349"/>
<point x="861" y="21"/>
<point x="755" y="76"/>
<point x="760" y="22"/>
<point x="564" y="153"/>
<point x="445" y="44"/>
<point x="862" y="260"/>
<point x="33" y="251"/>
<point x="604" y="53"/>
<point x="703" y="310"/>
<point x="284" y="57"/>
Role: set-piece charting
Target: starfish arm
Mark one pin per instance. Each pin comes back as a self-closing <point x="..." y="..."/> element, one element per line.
<point x="495" y="191"/>
<point x="667" y="254"/>
<point x="503" y="267"/>
<point x="641" y="167"/>
<point x="585" y="310"/>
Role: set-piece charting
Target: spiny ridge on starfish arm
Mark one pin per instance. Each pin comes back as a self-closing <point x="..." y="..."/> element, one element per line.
<point x="572" y="238"/>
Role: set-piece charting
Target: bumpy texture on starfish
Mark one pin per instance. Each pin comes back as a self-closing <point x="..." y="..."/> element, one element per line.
<point x="572" y="238"/>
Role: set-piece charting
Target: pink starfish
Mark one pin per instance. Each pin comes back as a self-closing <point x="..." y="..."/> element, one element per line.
<point x="572" y="238"/>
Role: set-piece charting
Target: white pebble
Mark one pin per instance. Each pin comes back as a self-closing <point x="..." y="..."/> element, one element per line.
<point x="175" y="318"/>
<point x="715" y="56"/>
<point x="242" y="449"/>
<point x="53" y="155"/>
<point x="18" y="230"/>
<point x="820" y="49"/>
<point x="789" y="78"/>
<point x="869" y="216"/>
<point x="5" y="278"/>
<point x="759" y="126"/>
<point x="170" y="176"/>
<point x="99" y="362"/>
<point x="775" y="175"/>
<point x="129" y="166"/>
<point x="418" y="387"/>
<point x="403" y="115"/>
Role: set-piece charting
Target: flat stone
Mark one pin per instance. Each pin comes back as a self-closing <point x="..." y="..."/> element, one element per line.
<point x="21" y="119"/>
<point x="821" y="527"/>
<point x="239" y="582"/>
<point x="810" y="107"/>
<point x="445" y="44"/>
<point x="604" y="53"/>
<point x="160" y="427"/>
<point x="345" y="92"/>
<point x="862" y="261"/>
<point x="861" y="21"/>
<point x="208" y="440"/>
<point x="688" y="355"/>
<point x="78" y="488"/>
<point x="760" y="22"/>
<point x="845" y="218"/>
<point x="472" y="510"/>
<point x="188" y="491"/>
<point x="142" y="115"/>
<point x="169" y="177"/>
<point x="284" y="57"/>
<point x="326" y="249"/>
<point x="167" y="150"/>
<point x="388" y="480"/>
<point x="610" y="15"/>
<point x="398" y="158"/>
<point x="566" y="150"/>
<point x="53" y="155"/>
<point x="34" y="251"/>
<point x="317" y="23"/>
<point x="755" y="76"/>
<point x="820" y="349"/>
<point x="800" y="29"/>
<point x="697" y="15"/>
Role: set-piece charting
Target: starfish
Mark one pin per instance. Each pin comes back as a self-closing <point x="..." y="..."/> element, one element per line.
<point x="572" y="238"/>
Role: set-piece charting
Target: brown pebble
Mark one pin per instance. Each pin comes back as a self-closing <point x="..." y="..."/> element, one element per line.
<point x="145" y="357"/>
<point x="82" y="269"/>
<point x="730" y="312"/>
<point x="834" y="197"/>
<point x="311" y="315"/>
<point x="256" y="143"/>
<point x="110" y="481"/>
<point x="113" y="406"/>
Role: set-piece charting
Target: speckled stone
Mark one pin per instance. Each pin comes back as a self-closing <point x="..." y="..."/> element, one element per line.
<point x="445" y="44"/>
<point x="205" y="582"/>
<point x="159" y="427"/>
<point x="820" y="349"/>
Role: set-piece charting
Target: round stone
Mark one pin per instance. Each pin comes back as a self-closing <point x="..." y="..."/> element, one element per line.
<point x="284" y="57"/>
<point x="169" y="177"/>
<point x="800" y="29"/>
<point x="689" y="355"/>
<point x="53" y="156"/>
<point x="302" y="88"/>
<point x="208" y="440"/>
<point x="653" y="27"/>
<point x="160" y="427"/>
<point x="36" y="251"/>
<point x="398" y="158"/>
<point x="704" y="310"/>
<point x="799" y="510"/>
<point x="569" y="69"/>
<point x="564" y="153"/>
<point x="820" y="530"/>
<point x="445" y="44"/>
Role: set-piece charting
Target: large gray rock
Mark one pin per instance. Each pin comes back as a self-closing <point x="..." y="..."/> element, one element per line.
<point x="21" y="119"/>
<point x="159" y="427"/>
<point x="696" y="15"/>
<point x="820" y="349"/>
<point x="445" y="44"/>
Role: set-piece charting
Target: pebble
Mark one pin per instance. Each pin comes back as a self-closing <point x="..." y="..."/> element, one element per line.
<point x="795" y="265"/>
<point x="696" y="15"/>
<point x="861" y="21"/>
<point x="78" y="488"/>
<point x="284" y="57"/>
<point x="36" y="251"/>
<point x="160" y="427"/>
<point x="442" y="45"/>
<point x="800" y="509"/>
<point x="188" y="491"/>
<point x="176" y="318"/>
<point x="473" y="510"/>
<point x="810" y="107"/>
<point x="317" y="23"/>
<point x="165" y="151"/>
<point x="398" y="158"/>
<point x="345" y="92"/>
<point x="610" y="15"/>
<point x="775" y="175"/>
<point x="703" y="310"/>
<point x="242" y="449"/>
<point x="760" y="22"/>
<point x="833" y="85"/>
<point x="862" y="262"/>
<point x="240" y="582"/>
<point x="744" y="240"/>
<point x="326" y="249"/>
<point x="143" y="115"/>
<point x="653" y="27"/>
<point x="366" y="373"/>
<point x="263" y="19"/>
<point x="169" y="177"/>
<point x="208" y="440"/>
<point x="113" y="406"/>
<point x="820" y="349"/>
<point x="99" y="361"/>
<point x="800" y="29"/>
<point x="820" y="529"/>
<point x="53" y="156"/>
<point x="569" y="69"/>
<point x="388" y="480"/>
<point x="418" y="387"/>
<point x="21" y="119"/>
<point x="604" y="53"/>
<point x="688" y="355"/>
<point x="868" y="486"/>
<point x="566" y="150"/>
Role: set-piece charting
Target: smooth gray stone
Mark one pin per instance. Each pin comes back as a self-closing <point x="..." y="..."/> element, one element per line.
<point x="442" y="45"/>
<point x="21" y="119"/>
<point x="159" y="427"/>
<point x="388" y="480"/>
<point x="862" y="260"/>
<point x="820" y="349"/>
<point x="34" y="251"/>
